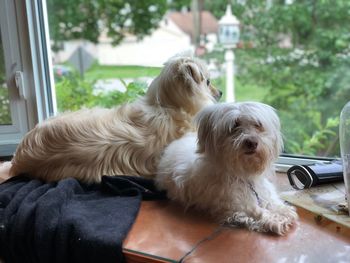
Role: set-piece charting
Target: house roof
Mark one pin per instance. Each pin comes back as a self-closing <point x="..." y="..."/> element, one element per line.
<point x="184" y="20"/>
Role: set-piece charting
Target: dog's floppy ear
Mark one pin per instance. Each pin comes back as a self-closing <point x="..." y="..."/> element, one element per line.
<point x="192" y="70"/>
<point x="205" y="124"/>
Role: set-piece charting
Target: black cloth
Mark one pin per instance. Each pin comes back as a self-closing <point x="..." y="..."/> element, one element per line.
<point x="69" y="221"/>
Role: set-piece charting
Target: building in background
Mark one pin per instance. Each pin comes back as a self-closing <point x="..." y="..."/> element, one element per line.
<point x="173" y="36"/>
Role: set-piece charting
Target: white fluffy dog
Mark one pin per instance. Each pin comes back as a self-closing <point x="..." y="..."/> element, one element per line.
<point x="125" y="140"/>
<point x="224" y="169"/>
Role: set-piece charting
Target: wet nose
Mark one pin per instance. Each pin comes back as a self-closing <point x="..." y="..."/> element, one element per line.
<point x="251" y="144"/>
<point x="218" y="95"/>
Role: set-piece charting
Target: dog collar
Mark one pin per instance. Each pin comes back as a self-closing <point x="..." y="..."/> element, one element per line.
<point x="255" y="193"/>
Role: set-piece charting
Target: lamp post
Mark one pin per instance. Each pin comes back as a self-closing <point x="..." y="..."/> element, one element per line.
<point x="228" y="37"/>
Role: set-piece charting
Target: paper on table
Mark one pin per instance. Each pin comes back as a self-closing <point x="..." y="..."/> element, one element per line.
<point x="327" y="200"/>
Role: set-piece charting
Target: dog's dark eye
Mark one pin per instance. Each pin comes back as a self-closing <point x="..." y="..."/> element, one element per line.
<point x="234" y="128"/>
<point x="237" y="123"/>
<point x="208" y="82"/>
<point x="258" y="126"/>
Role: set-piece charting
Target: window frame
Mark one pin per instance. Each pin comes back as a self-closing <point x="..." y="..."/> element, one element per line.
<point x="26" y="50"/>
<point x="25" y="28"/>
<point x="286" y="161"/>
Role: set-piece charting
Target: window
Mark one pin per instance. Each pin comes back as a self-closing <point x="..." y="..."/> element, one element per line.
<point x="292" y="55"/>
<point x="25" y="86"/>
<point x="13" y="119"/>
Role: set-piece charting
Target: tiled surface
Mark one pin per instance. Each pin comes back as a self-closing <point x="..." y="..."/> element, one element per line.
<point x="162" y="229"/>
<point x="165" y="230"/>
<point x="307" y="242"/>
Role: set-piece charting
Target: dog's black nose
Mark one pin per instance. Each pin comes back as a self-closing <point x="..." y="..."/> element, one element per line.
<point x="218" y="95"/>
<point x="251" y="144"/>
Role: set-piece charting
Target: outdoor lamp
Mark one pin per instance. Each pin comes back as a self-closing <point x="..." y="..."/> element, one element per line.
<point x="229" y="36"/>
<point x="229" y="29"/>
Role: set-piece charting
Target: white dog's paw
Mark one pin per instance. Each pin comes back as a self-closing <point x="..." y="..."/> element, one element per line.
<point x="279" y="223"/>
<point x="287" y="211"/>
<point x="243" y="220"/>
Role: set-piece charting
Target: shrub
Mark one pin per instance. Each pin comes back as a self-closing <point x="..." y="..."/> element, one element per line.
<point x="5" y="114"/>
<point x="74" y="93"/>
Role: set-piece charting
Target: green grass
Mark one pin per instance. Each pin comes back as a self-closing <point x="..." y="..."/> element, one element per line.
<point x="249" y="92"/>
<point x="243" y="92"/>
<point x="114" y="72"/>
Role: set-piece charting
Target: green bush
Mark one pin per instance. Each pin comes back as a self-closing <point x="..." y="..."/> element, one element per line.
<point x="112" y="98"/>
<point x="308" y="83"/>
<point x="5" y="114"/>
<point x="74" y="93"/>
<point x="307" y="94"/>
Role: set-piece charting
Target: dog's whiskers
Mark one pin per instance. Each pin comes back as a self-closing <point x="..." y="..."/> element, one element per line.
<point x="238" y="141"/>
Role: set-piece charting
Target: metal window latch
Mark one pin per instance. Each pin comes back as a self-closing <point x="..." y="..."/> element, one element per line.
<point x="20" y="84"/>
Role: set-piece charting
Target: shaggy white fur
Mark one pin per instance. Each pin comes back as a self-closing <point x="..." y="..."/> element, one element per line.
<point x="125" y="140"/>
<point x="224" y="169"/>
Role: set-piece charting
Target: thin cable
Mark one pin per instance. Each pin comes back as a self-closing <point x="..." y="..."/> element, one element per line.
<point x="210" y="237"/>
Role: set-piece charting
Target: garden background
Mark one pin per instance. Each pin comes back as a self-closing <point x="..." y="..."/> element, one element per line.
<point x="307" y="82"/>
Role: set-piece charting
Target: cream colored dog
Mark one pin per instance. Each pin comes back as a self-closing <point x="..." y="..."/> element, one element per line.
<point x="125" y="140"/>
<point x="224" y="170"/>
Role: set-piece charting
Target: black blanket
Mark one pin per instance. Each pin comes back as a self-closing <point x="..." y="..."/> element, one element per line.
<point x="69" y="221"/>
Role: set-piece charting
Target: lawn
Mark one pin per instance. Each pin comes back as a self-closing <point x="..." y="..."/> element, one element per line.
<point x="249" y="92"/>
<point x="115" y="72"/>
<point x="243" y="91"/>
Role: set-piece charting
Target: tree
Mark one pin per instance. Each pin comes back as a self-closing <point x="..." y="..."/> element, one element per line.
<point x="179" y="4"/>
<point x="307" y="82"/>
<point x="87" y="19"/>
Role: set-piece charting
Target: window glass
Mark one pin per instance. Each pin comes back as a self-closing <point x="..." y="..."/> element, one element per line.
<point x="106" y="52"/>
<point x="293" y="55"/>
<point x="5" y="114"/>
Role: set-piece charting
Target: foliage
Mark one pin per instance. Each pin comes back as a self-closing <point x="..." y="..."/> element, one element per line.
<point x="81" y="19"/>
<point x="111" y="72"/>
<point x="74" y="93"/>
<point x="316" y="141"/>
<point x="308" y="82"/>
<point x="179" y="4"/>
<point x="113" y="98"/>
<point x="5" y="116"/>
<point x="218" y="7"/>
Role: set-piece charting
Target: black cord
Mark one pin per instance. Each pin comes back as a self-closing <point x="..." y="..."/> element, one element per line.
<point x="215" y="233"/>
